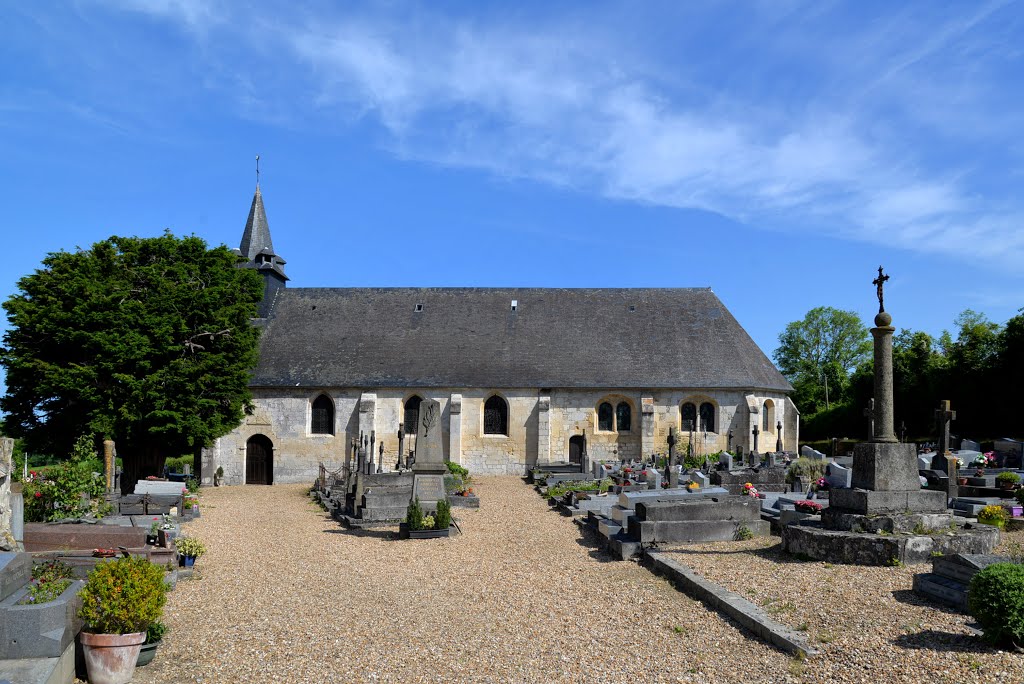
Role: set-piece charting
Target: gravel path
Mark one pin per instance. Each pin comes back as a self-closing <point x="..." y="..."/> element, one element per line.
<point x="286" y="595"/>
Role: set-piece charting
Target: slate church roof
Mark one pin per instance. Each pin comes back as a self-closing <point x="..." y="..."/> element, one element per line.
<point x="472" y="338"/>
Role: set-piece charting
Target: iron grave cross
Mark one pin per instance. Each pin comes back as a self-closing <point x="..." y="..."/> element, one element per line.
<point x="943" y="415"/>
<point x="878" y="282"/>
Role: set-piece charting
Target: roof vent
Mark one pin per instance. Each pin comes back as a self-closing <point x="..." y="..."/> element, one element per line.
<point x="419" y="307"/>
<point x="515" y="304"/>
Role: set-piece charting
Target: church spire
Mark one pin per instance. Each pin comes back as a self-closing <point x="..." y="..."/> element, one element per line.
<point x="258" y="250"/>
<point x="256" y="237"/>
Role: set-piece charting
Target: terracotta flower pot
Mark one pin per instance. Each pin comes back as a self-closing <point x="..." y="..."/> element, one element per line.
<point x="111" y="658"/>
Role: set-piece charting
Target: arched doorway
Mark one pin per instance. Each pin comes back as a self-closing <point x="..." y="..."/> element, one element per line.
<point x="259" y="460"/>
<point x="576" y="445"/>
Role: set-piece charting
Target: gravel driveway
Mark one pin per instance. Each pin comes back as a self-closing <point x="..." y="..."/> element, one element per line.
<point x="287" y="595"/>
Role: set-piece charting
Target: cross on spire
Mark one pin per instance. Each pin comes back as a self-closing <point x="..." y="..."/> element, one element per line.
<point x="257" y="170"/>
<point x="878" y="282"/>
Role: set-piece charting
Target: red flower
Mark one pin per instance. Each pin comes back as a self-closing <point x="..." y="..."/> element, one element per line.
<point x="39" y="495"/>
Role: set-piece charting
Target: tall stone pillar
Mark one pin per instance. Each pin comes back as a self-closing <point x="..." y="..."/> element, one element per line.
<point x="884" y="421"/>
<point x="543" y="430"/>
<point x="647" y="445"/>
<point x="455" y="429"/>
<point x="367" y="413"/>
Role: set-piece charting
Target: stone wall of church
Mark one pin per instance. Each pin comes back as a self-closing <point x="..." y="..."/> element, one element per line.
<point x="539" y="430"/>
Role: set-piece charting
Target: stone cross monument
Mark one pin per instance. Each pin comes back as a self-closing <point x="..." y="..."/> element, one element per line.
<point x="885" y="477"/>
<point x="429" y="467"/>
<point x="869" y="413"/>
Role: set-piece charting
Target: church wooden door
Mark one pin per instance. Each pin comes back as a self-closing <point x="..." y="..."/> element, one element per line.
<point x="576" y="449"/>
<point x="259" y="461"/>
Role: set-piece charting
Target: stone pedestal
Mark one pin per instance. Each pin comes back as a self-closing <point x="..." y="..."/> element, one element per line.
<point x="885" y="467"/>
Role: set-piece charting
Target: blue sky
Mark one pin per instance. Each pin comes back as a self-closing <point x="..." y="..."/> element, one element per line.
<point x="775" y="151"/>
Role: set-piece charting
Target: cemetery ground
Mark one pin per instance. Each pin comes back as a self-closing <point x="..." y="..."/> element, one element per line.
<point x="285" y="594"/>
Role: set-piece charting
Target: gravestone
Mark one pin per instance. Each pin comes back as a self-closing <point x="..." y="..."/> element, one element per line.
<point x="701" y="479"/>
<point x="943" y="416"/>
<point x="808" y="452"/>
<point x="837" y="476"/>
<point x="7" y="541"/>
<point x="653" y="477"/>
<point x="673" y="476"/>
<point x="726" y="461"/>
<point x="429" y="468"/>
<point x="773" y="459"/>
<point x="969" y="445"/>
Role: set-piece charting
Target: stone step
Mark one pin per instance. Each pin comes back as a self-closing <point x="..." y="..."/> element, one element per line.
<point x="40" y="670"/>
<point x="647" y="531"/>
<point x="387" y="497"/>
<point x="623" y="547"/>
<point x="383" y="513"/>
<point x="950" y="569"/>
<point x="608" y="528"/>
<point x="942" y="589"/>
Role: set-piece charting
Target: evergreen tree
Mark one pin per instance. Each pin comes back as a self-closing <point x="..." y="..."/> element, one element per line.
<point x="146" y="341"/>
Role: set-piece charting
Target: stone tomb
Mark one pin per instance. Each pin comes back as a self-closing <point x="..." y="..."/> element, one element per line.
<point x="885" y="516"/>
<point x="429" y="468"/>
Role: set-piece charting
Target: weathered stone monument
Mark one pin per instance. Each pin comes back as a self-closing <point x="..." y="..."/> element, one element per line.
<point x="7" y="542"/>
<point x="885" y="494"/>
<point x="429" y="468"/>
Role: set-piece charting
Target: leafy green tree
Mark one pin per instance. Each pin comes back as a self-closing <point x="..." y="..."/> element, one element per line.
<point x="819" y="354"/>
<point x="918" y="369"/>
<point x="146" y="341"/>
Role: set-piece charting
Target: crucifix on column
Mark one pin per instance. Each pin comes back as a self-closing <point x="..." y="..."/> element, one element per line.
<point x="778" y="436"/>
<point x="869" y="413"/>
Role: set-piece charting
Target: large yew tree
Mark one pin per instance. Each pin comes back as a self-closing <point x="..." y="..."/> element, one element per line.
<point x="146" y="341"/>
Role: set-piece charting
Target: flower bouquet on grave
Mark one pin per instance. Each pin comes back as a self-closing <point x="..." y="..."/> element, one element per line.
<point x="805" y="506"/>
<point x="750" y="490"/>
<point x="822" y="484"/>
<point x="693" y="486"/>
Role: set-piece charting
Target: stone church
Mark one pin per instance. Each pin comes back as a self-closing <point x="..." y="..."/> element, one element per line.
<point x="524" y="376"/>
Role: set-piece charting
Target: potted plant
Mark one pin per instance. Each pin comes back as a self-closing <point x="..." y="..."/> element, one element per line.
<point x="1008" y="480"/>
<point x="420" y="526"/>
<point x="993" y="515"/>
<point x="189" y="548"/>
<point x="120" y="600"/>
<point x="153" y="536"/>
<point x="154" y="634"/>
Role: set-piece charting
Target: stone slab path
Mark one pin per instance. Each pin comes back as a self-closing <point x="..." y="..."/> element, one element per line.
<point x="286" y="595"/>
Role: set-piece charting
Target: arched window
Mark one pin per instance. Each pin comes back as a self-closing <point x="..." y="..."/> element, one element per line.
<point x="412" y="414"/>
<point x="495" y="416"/>
<point x="623" y="417"/>
<point x="707" y="417"/>
<point x="605" y="417"/>
<point x="688" y="414"/>
<point x="323" y="416"/>
<point x="768" y="416"/>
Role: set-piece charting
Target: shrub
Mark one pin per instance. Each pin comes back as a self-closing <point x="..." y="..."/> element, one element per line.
<point x="993" y="515"/>
<point x="414" y="515"/>
<point x="456" y="469"/>
<point x="52" y="570"/>
<point x="44" y="592"/>
<point x="190" y="546"/>
<point x="743" y="533"/>
<point x="443" y="517"/>
<point x="1012" y="478"/>
<point x="807" y="468"/>
<point x="1020" y="496"/>
<point x="996" y="600"/>
<point x="57" y="494"/>
<point x="123" y="596"/>
<point x="155" y="632"/>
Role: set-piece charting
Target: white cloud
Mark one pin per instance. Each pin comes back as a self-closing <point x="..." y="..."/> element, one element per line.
<point x="560" y="103"/>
